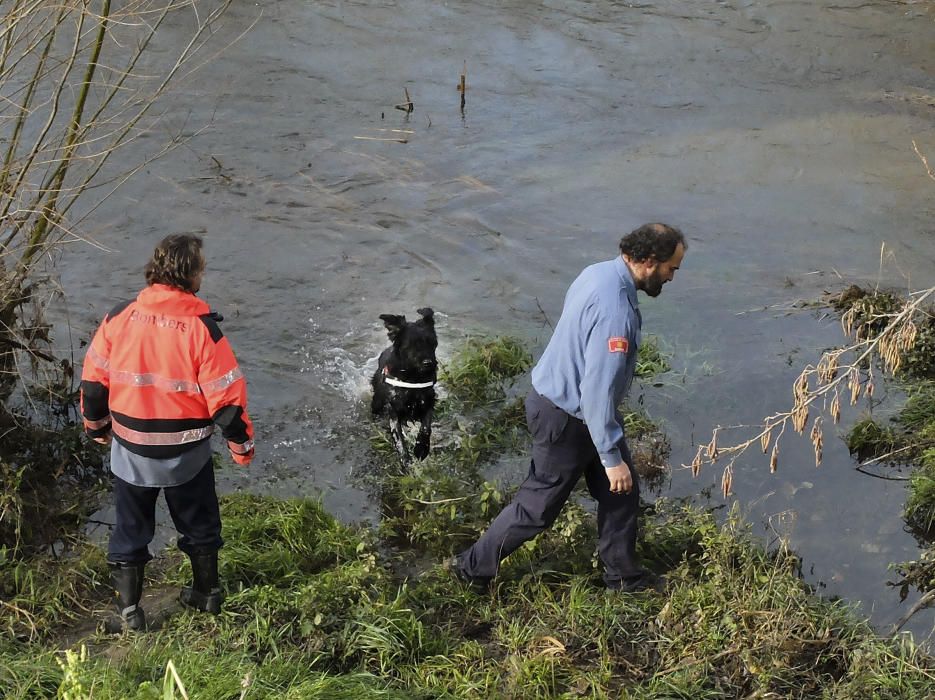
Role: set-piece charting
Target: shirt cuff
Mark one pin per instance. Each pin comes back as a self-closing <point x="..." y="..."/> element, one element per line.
<point x="611" y="459"/>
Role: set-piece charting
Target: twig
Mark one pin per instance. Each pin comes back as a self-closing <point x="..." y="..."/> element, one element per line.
<point x="406" y="106"/>
<point x="544" y="314"/>
<point x="376" y="138"/>
<point x="921" y="603"/>
<point x="436" y="503"/>
<point x="880" y="476"/>
<point x="928" y="168"/>
<point x="695" y="662"/>
<point x="462" y="86"/>
<point x="892" y="452"/>
<point x="220" y="168"/>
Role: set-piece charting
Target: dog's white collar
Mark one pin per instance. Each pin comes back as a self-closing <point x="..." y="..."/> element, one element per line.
<point x="392" y="381"/>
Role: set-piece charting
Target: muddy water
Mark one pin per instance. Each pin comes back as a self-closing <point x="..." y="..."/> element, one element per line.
<point x="778" y="135"/>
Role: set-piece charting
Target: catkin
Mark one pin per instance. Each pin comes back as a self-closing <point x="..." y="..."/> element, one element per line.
<point x="696" y="463"/>
<point x="835" y="409"/>
<point x="764" y="439"/>
<point x="712" y="448"/>
<point x="817" y="440"/>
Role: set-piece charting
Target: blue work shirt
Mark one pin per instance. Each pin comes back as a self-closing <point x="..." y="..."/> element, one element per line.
<point x="589" y="363"/>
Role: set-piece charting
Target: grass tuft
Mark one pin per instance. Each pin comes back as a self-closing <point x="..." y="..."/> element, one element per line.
<point x="920" y="506"/>
<point x="479" y="370"/>
<point x="868" y="439"/>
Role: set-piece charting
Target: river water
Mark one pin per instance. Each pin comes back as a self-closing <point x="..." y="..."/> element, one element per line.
<point x="777" y="135"/>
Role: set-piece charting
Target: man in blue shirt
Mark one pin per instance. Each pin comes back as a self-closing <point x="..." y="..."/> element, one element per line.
<point x="572" y="413"/>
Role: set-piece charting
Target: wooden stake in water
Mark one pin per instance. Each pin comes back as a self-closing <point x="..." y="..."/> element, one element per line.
<point x="406" y="106"/>
<point x="462" y="86"/>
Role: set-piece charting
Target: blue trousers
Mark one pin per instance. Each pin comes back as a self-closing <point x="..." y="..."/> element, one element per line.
<point x="193" y="507"/>
<point x="562" y="451"/>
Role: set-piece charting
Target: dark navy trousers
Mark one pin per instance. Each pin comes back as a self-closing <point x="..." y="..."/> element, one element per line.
<point x="562" y="451"/>
<point x="193" y="507"/>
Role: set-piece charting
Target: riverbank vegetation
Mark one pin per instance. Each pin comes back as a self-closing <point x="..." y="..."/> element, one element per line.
<point x="908" y="437"/>
<point x="892" y="341"/>
<point x="317" y="609"/>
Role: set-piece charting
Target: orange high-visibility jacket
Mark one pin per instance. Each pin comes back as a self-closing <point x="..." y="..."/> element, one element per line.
<point x="160" y="374"/>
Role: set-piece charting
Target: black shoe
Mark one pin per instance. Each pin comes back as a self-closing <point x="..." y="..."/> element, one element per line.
<point x="205" y="602"/>
<point x="205" y="593"/>
<point x="478" y="584"/>
<point x="646" y="581"/>
<point x="127" y="580"/>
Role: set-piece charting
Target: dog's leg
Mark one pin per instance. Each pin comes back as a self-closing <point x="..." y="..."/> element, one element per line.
<point x="380" y="394"/>
<point x="399" y="441"/>
<point x="421" y="449"/>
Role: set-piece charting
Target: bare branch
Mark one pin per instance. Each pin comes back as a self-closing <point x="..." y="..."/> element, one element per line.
<point x="72" y="95"/>
<point x="820" y="387"/>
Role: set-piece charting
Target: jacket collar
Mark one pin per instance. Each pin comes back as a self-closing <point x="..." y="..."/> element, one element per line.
<point x="181" y="303"/>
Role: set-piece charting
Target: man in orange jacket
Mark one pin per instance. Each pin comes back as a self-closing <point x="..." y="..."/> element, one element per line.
<point x="158" y="377"/>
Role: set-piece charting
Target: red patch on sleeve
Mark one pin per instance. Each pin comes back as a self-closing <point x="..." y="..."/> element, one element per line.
<point x="618" y="344"/>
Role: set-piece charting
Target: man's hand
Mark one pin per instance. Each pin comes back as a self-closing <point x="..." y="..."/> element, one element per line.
<point x="621" y="481"/>
<point x="104" y="439"/>
<point x="242" y="454"/>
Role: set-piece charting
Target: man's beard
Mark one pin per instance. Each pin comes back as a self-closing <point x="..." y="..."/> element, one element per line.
<point x="653" y="285"/>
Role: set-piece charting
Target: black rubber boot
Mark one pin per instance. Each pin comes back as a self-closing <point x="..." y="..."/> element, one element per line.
<point x="127" y="580"/>
<point x="205" y="593"/>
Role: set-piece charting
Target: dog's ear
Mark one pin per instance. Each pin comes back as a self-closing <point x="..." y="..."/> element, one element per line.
<point x="427" y="315"/>
<point x="394" y="324"/>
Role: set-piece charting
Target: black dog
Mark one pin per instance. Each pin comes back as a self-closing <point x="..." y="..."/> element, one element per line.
<point x="404" y="383"/>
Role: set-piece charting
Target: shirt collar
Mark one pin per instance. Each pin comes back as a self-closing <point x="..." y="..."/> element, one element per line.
<point x="627" y="279"/>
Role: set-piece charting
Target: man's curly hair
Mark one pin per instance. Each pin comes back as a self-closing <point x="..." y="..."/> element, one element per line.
<point x="177" y="261"/>
<point x="652" y="242"/>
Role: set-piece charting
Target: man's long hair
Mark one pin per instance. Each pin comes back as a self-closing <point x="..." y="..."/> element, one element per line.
<point x="652" y="242"/>
<point x="177" y="261"/>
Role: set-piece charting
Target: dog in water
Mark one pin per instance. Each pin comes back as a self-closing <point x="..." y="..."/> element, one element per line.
<point x="404" y="383"/>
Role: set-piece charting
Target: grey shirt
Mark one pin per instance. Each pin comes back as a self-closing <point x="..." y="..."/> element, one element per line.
<point x="589" y="363"/>
<point x="158" y="473"/>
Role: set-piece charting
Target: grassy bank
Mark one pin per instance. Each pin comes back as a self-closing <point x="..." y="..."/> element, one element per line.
<point x="317" y="609"/>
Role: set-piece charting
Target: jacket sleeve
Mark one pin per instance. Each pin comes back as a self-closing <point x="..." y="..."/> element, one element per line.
<point x="95" y="383"/>
<point x="605" y="371"/>
<point x="224" y="387"/>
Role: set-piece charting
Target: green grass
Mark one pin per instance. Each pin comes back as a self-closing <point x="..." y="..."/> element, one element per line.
<point x="477" y="373"/>
<point x="41" y="594"/>
<point x="868" y="439"/>
<point x="913" y="439"/>
<point x="920" y="505"/>
<point x="651" y="359"/>
<point x="317" y="609"/>
<point x="918" y="413"/>
<point x="736" y="622"/>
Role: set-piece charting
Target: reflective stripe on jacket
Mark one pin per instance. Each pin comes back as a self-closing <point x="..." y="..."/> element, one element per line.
<point x="160" y="375"/>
